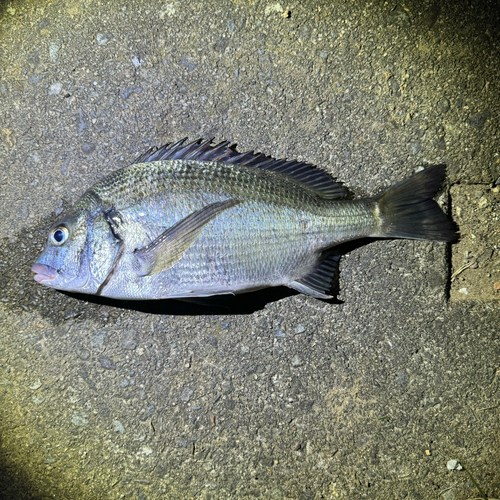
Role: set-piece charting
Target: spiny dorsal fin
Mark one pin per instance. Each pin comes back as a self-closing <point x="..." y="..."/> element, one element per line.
<point x="202" y="150"/>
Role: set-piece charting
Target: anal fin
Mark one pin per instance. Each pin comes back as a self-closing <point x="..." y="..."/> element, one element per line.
<point x="321" y="280"/>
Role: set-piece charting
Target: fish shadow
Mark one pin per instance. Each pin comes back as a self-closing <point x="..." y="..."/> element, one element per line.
<point x="241" y="304"/>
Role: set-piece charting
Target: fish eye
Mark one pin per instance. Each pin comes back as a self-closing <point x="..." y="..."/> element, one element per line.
<point x="59" y="235"/>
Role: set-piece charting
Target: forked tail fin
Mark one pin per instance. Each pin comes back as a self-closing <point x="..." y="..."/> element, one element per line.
<point x="407" y="210"/>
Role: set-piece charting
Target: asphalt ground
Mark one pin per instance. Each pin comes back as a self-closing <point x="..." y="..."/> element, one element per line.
<point x="272" y="394"/>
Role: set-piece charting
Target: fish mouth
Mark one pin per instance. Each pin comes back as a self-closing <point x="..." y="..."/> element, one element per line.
<point x="44" y="273"/>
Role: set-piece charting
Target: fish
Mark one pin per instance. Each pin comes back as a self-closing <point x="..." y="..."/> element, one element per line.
<point x="199" y="219"/>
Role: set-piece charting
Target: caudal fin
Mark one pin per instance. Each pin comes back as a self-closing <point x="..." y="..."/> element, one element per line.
<point x="407" y="210"/>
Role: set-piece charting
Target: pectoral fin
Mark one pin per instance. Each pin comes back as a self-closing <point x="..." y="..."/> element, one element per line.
<point x="164" y="251"/>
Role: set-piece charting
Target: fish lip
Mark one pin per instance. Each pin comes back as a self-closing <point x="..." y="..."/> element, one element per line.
<point x="43" y="272"/>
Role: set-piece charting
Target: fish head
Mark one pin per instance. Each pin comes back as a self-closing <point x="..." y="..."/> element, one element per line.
<point x="79" y="253"/>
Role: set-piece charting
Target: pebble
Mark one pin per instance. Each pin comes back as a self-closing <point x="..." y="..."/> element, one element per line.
<point x="145" y="451"/>
<point x="38" y="400"/>
<point x="88" y="148"/>
<point x="64" y="171"/>
<point x="55" y="88"/>
<point x="443" y="105"/>
<point x="129" y="341"/>
<point x="403" y="379"/>
<point x="36" y="78"/>
<point x="147" y="413"/>
<point x="124" y="383"/>
<point x="106" y="362"/>
<point x="54" y="50"/>
<point x="83" y="353"/>
<point x="449" y="494"/>
<point x="97" y="340"/>
<point x="186" y="394"/>
<point x="118" y="427"/>
<point x="454" y="465"/>
<point x="126" y="92"/>
<point x="79" y="418"/>
<point x="137" y="62"/>
<point x="82" y="121"/>
<point x="478" y="120"/>
<point x="85" y="376"/>
<point x="101" y="39"/>
<point x="300" y="329"/>
<point x="483" y="202"/>
<point x="36" y="385"/>
<point x="71" y="313"/>
<point x="213" y="341"/>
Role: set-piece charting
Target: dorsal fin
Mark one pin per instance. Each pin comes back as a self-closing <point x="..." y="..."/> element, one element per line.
<point x="202" y="150"/>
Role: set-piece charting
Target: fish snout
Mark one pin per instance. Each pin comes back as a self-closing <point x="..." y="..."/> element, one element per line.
<point x="43" y="272"/>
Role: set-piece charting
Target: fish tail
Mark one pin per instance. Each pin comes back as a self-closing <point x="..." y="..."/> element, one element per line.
<point x="407" y="210"/>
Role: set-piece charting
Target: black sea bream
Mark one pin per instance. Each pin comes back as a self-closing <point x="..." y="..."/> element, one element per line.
<point x="197" y="220"/>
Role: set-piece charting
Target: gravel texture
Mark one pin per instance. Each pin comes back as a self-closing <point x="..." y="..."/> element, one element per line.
<point x="269" y="395"/>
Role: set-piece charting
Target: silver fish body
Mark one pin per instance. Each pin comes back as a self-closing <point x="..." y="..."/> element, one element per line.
<point x="201" y="220"/>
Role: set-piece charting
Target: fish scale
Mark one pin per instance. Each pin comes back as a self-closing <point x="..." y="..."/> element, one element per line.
<point x="190" y="221"/>
<point x="281" y="234"/>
